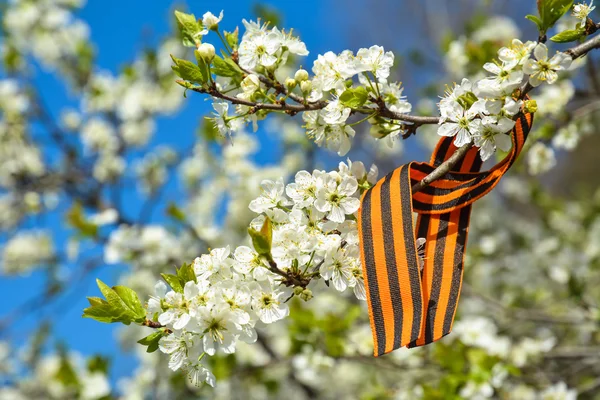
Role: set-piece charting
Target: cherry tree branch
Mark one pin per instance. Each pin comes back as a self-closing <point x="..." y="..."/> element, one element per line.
<point x="382" y="110"/>
<point x="584" y="48"/>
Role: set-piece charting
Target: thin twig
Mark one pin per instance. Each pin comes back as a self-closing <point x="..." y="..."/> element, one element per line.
<point x="443" y="169"/>
<point x="584" y="48"/>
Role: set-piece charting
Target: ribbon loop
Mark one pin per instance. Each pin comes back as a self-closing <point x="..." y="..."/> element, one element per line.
<point x="409" y="306"/>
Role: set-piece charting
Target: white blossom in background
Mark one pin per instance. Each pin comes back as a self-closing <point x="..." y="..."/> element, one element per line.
<point x="540" y="158"/>
<point x="146" y="247"/>
<point x="17" y="254"/>
<point x="98" y="135"/>
<point x="553" y="99"/>
<point x="497" y="28"/>
<point x="58" y="34"/>
<point x="12" y="98"/>
<point x="559" y="391"/>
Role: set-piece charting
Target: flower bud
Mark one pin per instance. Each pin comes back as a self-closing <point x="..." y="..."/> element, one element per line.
<point x="301" y="75"/>
<point x="206" y="52"/>
<point x="530" y="106"/>
<point x="290" y="83"/>
<point x="306" y="86"/>
<point x="306" y="295"/>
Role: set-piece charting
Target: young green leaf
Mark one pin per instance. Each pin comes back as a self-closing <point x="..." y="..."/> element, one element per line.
<point x="173" y="281"/>
<point x="175" y="212"/>
<point x="121" y="305"/>
<point x="354" y="97"/>
<point x="261" y="240"/>
<point x="132" y="301"/>
<point x="232" y="38"/>
<point x="152" y="341"/>
<point x="551" y="11"/>
<point x="96" y="301"/>
<point x="189" y="27"/>
<point x="225" y="67"/>
<point x="186" y="273"/>
<point x="569" y="35"/>
<point x="107" y="314"/>
<point x="536" y="20"/>
<point x="189" y="71"/>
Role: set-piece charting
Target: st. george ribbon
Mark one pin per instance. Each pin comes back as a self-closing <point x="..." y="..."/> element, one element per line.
<point x="408" y="305"/>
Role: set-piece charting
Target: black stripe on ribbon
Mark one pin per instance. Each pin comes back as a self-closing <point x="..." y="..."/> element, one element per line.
<point x="367" y="239"/>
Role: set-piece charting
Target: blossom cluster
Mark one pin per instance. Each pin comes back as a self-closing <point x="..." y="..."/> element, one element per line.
<point x="482" y="112"/>
<point x="314" y="224"/>
<point x="314" y="231"/>
<point x="49" y="31"/>
<point x="19" y="157"/>
<point x="216" y="310"/>
<point x="263" y="55"/>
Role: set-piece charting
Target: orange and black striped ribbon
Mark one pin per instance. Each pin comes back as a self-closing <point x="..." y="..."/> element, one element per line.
<point x="409" y="306"/>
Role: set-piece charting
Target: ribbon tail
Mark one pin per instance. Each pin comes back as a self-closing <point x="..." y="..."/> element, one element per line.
<point x="390" y="263"/>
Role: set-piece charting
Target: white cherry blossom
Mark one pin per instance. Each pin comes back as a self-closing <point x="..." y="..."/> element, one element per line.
<point x="336" y="199"/>
<point x="259" y="50"/>
<point x="543" y="69"/>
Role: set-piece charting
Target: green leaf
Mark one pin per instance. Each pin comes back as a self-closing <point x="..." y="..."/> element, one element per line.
<point x="152" y="341"/>
<point x="66" y="374"/>
<point x="132" y="301"/>
<point x="113" y="299"/>
<point x="261" y="240"/>
<point x="76" y="218"/>
<point x="98" y="363"/>
<point x="226" y="67"/>
<point x="354" y="97"/>
<point x="467" y="100"/>
<point x="121" y="305"/>
<point x="232" y="38"/>
<point x="551" y="11"/>
<point x="536" y="20"/>
<point x="96" y="301"/>
<point x="105" y="313"/>
<point x="173" y="281"/>
<point x="569" y="35"/>
<point x="189" y="71"/>
<point x="186" y="273"/>
<point x="175" y="212"/>
<point x="189" y="27"/>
